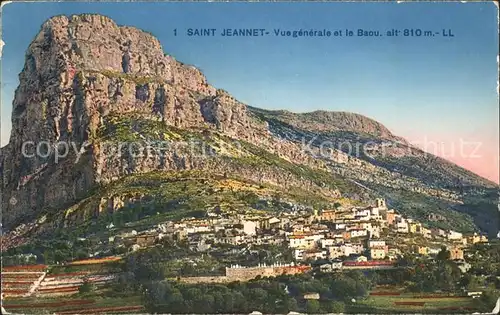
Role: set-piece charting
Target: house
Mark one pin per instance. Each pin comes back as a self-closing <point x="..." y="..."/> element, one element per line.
<point x="180" y="235"/>
<point x="456" y="254"/>
<point x="438" y="232"/>
<point x="414" y="227"/>
<point x="452" y="235"/>
<point x="328" y="242"/>
<point x="330" y="267"/>
<point x="433" y="251"/>
<point x="199" y="228"/>
<point x="326" y="268"/>
<point x="402" y="226"/>
<point x="423" y="250"/>
<point x="374" y="213"/>
<point x="337" y="235"/>
<point x="356" y="248"/>
<point x="311" y="296"/>
<point x="267" y="239"/>
<point x="362" y="214"/>
<point x="143" y="240"/>
<point x="378" y="252"/>
<point x="464" y="266"/>
<point x="284" y="223"/>
<point x="358" y="233"/>
<point x="134" y="247"/>
<point x="393" y="253"/>
<point x="476" y="238"/>
<point x="463" y="241"/>
<point x="375" y="243"/>
<point x="342" y="250"/>
<point x="425" y="232"/>
<point x="249" y="227"/>
<point x="474" y="294"/>
<point x="232" y="238"/>
<point x="336" y="264"/>
<point x="327" y="215"/>
<point x="435" y="217"/>
<point x="346" y="235"/>
<point x="336" y="251"/>
<point x="314" y="254"/>
<point x="301" y="241"/>
<point x="390" y="217"/>
<point x="298" y="254"/>
<point x="340" y="226"/>
<point x="299" y="228"/>
<point x="374" y="231"/>
<point x="270" y="223"/>
<point x="378" y="214"/>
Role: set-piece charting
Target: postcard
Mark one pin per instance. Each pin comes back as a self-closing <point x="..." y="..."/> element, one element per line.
<point x="250" y="157"/>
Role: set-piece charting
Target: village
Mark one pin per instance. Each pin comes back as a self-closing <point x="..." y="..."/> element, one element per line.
<point x="329" y="241"/>
<point x="356" y="237"/>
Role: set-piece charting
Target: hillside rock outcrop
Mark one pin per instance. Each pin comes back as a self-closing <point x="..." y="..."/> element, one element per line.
<point x="78" y="70"/>
<point x="83" y="70"/>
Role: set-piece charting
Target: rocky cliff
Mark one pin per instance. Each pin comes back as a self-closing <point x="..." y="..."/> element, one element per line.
<point x="109" y="97"/>
<point x="80" y="70"/>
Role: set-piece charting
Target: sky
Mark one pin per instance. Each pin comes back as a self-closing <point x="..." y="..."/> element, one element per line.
<point x="439" y="93"/>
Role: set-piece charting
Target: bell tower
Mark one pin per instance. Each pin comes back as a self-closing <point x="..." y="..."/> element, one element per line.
<point x="381" y="203"/>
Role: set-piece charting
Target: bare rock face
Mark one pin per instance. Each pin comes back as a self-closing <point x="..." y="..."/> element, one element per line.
<point x="81" y="71"/>
<point x="326" y="121"/>
<point x="78" y="70"/>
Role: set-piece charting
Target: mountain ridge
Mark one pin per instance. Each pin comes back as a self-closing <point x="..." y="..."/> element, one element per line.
<point x="324" y="120"/>
<point x="88" y="81"/>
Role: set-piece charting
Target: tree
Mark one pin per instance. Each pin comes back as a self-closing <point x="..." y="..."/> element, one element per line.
<point x="443" y="254"/>
<point x="475" y="283"/>
<point x="336" y="307"/>
<point x="289" y="304"/>
<point x="86" y="287"/>
<point x="229" y="304"/>
<point x="312" y="307"/>
<point x="486" y="302"/>
<point x="175" y="302"/>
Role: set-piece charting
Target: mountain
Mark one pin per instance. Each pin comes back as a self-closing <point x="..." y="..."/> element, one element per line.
<point x="121" y="125"/>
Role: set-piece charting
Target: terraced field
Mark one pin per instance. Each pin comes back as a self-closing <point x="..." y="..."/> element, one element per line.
<point x="397" y="301"/>
<point x="74" y="306"/>
<point x="57" y="290"/>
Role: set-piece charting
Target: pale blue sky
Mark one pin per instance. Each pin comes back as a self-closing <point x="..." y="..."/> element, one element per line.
<point x="440" y="88"/>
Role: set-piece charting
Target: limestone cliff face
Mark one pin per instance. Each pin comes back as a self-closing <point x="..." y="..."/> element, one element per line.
<point x="79" y="69"/>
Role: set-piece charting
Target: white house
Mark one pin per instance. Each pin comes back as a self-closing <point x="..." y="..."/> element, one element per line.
<point x="374" y="231"/>
<point x="302" y="241"/>
<point x="434" y="251"/>
<point x="329" y="267"/>
<point x="326" y="242"/>
<point x="376" y="243"/>
<point x="297" y="254"/>
<point x="340" y="226"/>
<point x="402" y="226"/>
<point x="249" y="227"/>
<point x="358" y="232"/>
<point x="452" y="235"/>
<point x="362" y="214"/>
<point x="336" y="264"/>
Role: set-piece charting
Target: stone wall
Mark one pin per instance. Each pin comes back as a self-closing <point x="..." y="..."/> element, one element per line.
<point x="248" y="273"/>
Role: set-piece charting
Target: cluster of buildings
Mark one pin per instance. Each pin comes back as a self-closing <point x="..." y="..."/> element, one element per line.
<point x="371" y="233"/>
